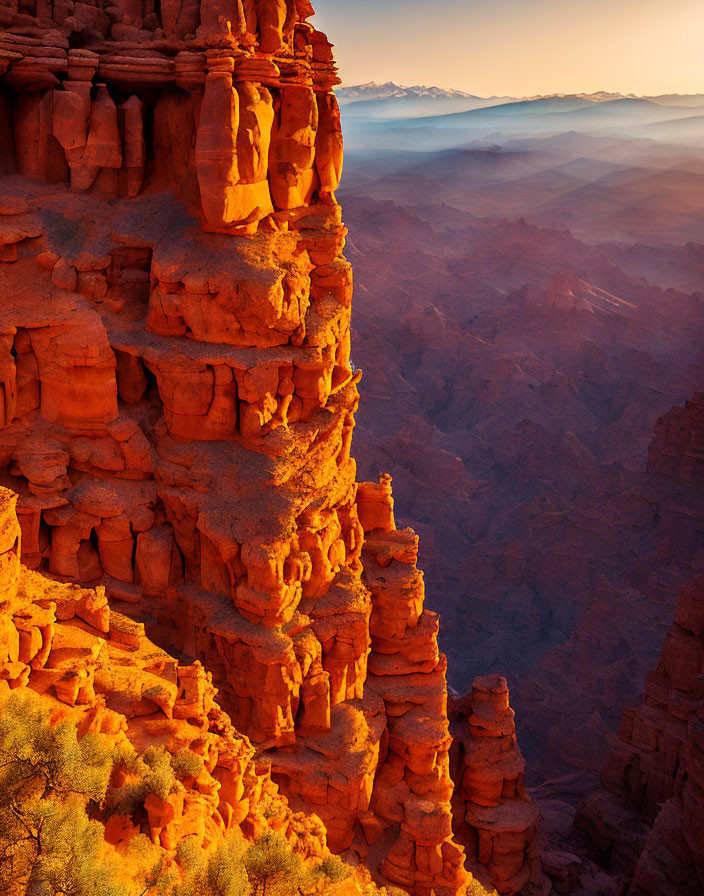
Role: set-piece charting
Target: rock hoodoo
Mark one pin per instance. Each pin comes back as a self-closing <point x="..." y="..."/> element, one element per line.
<point x="494" y="818"/>
<point x="178" y="401"/>
<point x="410" y="823"/>
<point x="646" y="821"/>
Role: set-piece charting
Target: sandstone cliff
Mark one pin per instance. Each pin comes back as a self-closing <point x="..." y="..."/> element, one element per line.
<point x="96" y="669"/>
<point x="178" y="404"/>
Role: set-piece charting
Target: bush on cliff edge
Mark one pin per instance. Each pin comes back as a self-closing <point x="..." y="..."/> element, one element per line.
<point x="53" y="809"/>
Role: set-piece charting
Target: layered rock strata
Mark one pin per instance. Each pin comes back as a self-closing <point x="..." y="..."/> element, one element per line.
<point x="646" y="821"/>
<point x="178" y="400"/>
<point x="494" y="818"/>
<point x="95" y="667"/>
<point x="410" y="822"/>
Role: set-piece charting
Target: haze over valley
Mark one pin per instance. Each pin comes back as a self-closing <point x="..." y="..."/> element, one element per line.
<point x="529" y="282"/>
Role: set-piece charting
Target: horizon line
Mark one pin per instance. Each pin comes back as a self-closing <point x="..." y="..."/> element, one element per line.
<point x="632" y="94"/>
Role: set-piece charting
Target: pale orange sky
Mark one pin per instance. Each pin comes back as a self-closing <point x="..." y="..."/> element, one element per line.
<point x="520" y="47"/>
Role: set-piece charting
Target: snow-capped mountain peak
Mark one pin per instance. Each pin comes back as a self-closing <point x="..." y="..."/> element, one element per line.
<point x="374" y="91"/>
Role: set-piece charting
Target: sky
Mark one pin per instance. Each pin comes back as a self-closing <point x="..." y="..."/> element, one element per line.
<point x="520" y="47"/>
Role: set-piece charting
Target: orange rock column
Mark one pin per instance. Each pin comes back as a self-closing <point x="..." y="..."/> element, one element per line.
<point x="495" y="819"/>
<point x="410" y="824"/>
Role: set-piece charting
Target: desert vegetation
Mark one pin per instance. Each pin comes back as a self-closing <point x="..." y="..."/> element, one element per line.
<point x="58" y="790"/>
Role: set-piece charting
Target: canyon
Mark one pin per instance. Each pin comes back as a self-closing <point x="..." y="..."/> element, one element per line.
<point x="529" y="309"/>
<point x="190" y="560"/>
<point x="515" y="374"/>
<point x="645" y="818"/>
<point x="516" y="414"/>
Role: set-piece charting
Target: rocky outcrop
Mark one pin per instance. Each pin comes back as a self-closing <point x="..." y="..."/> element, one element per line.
<point x="95" y="667"/>
<point x="410" y="822"/>
<point x="646" y="822"/>
<point x="677" y="448"/>
<point x="494" y="818"/>
<point x="178" y="400"/>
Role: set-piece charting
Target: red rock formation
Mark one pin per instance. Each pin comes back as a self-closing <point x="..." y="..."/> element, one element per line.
<point x="494" y="818"/>
<point x="677" y="448"/>
<point x="178" y="399"/>
<point x="95" y="667"/>
<point x="410" y="822"/>
<point x="647" y="819"/>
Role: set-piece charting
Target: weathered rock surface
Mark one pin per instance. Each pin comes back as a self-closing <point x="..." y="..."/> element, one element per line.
<point x="178" y="399"/>
<point x="96" y="667"/>
<point x="677" y="449"/>
<point x="494" y="818"/>
<point x="410" y="823"/>
<point x="646" y="821"/>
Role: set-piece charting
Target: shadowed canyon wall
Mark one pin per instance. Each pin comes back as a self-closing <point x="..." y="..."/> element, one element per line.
<point x="646" y="819"/>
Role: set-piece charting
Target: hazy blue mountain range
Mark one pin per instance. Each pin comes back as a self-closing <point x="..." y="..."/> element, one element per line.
<point x="393" y="117"/>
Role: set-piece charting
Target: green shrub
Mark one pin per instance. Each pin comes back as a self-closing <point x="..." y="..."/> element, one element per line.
<point x="159" y="777"/>
<point x="40" y="759"/>
<point x="49" y="781"/>
<point x="227" y="874"/>
<point x="52" y="840"/>
<point x="334" y="869"/>
<point x="223" y="874"/>
<point x="186" y="764"/>
<point x="71" y="859"/>
<point x="272" y="867"/>
<point x="151" y="773"/>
